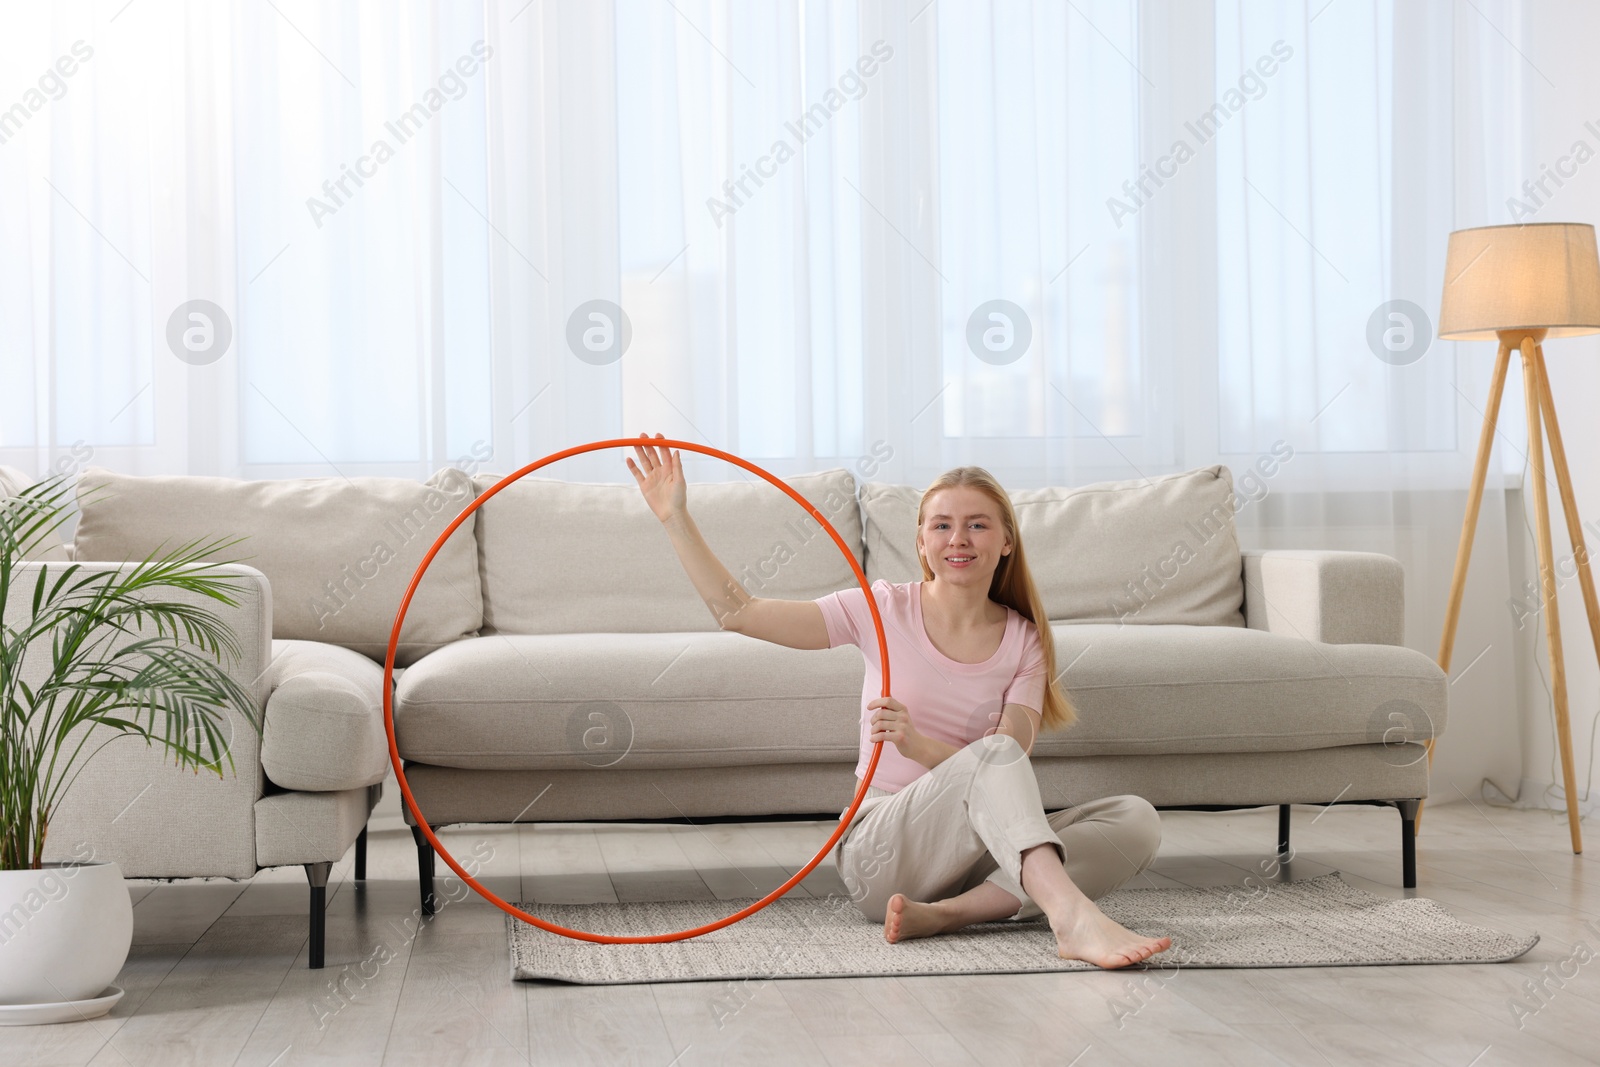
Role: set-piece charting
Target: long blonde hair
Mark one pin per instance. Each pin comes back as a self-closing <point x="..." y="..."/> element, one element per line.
<point x="1012" y="584"/>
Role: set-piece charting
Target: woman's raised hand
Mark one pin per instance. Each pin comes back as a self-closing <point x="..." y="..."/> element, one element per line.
<point x="661" y="480"/>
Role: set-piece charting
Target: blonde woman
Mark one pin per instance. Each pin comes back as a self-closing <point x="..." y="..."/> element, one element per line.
<point x="952" y="830"/>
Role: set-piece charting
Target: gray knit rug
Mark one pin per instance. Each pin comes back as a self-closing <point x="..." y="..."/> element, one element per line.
<point x="1319" y="922"/>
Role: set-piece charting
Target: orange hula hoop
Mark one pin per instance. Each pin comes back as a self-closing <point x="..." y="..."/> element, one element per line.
<point x="388" y="694"/>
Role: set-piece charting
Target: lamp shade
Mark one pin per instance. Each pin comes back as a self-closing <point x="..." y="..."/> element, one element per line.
<point x="1535" y="276"/>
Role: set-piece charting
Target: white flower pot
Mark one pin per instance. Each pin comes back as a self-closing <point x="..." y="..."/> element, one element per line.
<point x="65" y="931"/>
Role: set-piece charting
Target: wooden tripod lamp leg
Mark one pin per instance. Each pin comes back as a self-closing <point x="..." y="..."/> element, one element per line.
<point x="1469" y="523"/>
<point x="1539" y="387"/>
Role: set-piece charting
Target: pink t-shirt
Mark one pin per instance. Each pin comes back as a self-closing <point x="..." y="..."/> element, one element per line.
<point x="949" y="700"/>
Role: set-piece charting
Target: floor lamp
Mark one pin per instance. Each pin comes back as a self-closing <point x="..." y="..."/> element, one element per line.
<point x="1521" y="284"/>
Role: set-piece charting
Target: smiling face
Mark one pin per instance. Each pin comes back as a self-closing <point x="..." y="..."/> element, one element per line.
<point x="962" y="521"/>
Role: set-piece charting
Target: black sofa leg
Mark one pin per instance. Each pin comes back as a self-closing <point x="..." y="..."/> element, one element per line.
<point x="317" y="875"/>
<point x="424" y="869"/>
<point x="1408" y="841"/>
<point x="361" y="855"/>
<point x="1283" y="829"/>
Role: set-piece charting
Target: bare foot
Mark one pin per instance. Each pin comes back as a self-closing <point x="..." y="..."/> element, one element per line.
<point x="906" y="919"/>
<point x="1092" y="937"/>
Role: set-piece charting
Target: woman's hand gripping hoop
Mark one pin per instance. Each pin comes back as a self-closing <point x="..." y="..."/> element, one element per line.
<point x="388" y="698"/>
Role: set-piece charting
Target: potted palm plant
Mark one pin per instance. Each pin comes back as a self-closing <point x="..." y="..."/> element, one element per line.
<point x="89" y="655"/>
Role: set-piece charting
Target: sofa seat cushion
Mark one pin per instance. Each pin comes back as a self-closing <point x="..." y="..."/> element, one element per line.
<point x="1182" y="689"/>
<point x="511" y="702"/>
<point x="323" y="729"/>
<point x="552" y="701"/>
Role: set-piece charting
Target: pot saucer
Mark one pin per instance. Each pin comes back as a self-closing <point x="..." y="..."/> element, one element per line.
<point x="66" y="1011"/>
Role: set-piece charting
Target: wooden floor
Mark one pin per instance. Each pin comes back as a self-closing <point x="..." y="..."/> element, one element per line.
<point x="218" y="971"/>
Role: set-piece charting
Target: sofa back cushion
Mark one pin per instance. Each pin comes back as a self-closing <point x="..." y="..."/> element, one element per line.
<point x="1155" y="550"/>
<point x="573" y="557"/>
<point x="12" y="481"/>
<point x="47" y="547"/>
<point x="338" y="552"/>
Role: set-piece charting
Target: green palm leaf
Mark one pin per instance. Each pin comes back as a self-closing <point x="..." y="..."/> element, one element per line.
<point x="119" y="657"/>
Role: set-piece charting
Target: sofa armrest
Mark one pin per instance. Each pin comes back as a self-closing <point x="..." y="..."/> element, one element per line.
<point x="324" y="726"/>
<point x="130" y="804"/>
<point x="1339" y="598"/>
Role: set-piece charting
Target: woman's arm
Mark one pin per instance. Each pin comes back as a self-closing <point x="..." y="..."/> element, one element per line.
<point x="792" y="623"/>
<point x="665" y="490"/>
<point x="795" y="623"/>
<point x="891" y="721"/>
<point x="716" y="585"/>
<point x="930" y="751"/>
<point x="1016" y="720"/>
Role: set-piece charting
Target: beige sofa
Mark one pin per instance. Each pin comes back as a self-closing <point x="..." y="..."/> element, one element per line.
<point x="556" y="663"/>
<point x="600" y="687"/>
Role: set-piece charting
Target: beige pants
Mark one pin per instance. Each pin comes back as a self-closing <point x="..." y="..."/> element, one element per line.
<point x="968" y="821"/>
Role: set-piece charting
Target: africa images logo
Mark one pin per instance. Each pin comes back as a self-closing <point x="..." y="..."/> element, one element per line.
<point x="451" y="86"/>
<point x="851" y="85"/>
<point x="1250" y="85"/>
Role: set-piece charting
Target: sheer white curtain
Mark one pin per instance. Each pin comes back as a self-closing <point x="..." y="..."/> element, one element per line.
<point x="1202" y="209"/>
<point x="115" y="173"/>
<point x="1067" y="242"/>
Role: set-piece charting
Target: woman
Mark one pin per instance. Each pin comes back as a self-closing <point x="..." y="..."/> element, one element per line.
<point x="952" y="830"/>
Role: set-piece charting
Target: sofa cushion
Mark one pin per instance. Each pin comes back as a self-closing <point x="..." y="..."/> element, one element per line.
<point x="723" y="699"/>
<point x="323" y="730"/>
<point x="48" y="547"/>
<point x="572" y="557"/>
<point x="1154" y="550"/>
<point x="1340" y="597"/>
<point x="339" y="552"/>
<point x="1183" y="689"/>
<point x="628" y="700"/>
<point x="12" y="481"/>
